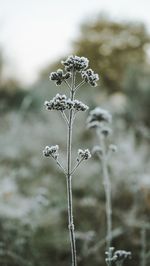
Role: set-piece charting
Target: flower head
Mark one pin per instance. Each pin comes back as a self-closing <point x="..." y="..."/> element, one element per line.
<point x="51" y="151"/>
<point x="75" y="63"/>
<point x="59" y="102"/>
<point x="84" y="154"/>
<point x="117" y="256"/>
<point x="79" y="106"/>
<point x="59" y="76"/>
<point x="121" y="255"/>
<point x="90" y="77"/>
<point x="99" y="115"/>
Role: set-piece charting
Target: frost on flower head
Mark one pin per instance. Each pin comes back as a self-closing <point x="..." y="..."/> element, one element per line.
<point x="51" y="151"/>
<point x="99" y="115"/>
<point x="90" y="77"/>
<point x="79" y="106"/>
<point x="75" y="63"/>
<point x="117" y="256"/>
<point x="61" y="103"/>
<point x="59" y="76"/>
<point x="84" y="154"/>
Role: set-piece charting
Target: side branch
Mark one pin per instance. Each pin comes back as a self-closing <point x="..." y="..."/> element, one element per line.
<point x="77" y="165"/>
<point x="64" y="117"/>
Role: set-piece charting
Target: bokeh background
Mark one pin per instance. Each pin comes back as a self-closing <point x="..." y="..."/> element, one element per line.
<point x="34" y="37"/>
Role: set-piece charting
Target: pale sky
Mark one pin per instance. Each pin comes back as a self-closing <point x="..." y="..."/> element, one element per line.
<point x="36" y="32"/>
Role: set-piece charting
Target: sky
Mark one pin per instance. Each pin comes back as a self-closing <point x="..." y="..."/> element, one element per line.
<point x="34" y="33"/>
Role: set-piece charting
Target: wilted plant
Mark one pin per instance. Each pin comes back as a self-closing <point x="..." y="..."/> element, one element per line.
<point x="68" y="107"/>
<point x="100" y="119"/>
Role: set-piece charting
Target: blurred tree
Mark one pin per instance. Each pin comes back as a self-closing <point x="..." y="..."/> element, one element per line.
<point x="136" y="87"/>
<point x="111" y="47"/>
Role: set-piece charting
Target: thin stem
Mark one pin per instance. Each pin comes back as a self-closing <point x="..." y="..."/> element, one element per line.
<point x="79" y="85"/>
<point x="60" y="165"/>
<point x="76" y="166"/>
<point x="69" y="183"/>
<point x="107" y="187"/>
<point x="67" y="84"/>
<point x="65" y="117"/>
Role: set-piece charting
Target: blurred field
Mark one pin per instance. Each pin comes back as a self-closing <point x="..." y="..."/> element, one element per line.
<point x="33" y="204"/>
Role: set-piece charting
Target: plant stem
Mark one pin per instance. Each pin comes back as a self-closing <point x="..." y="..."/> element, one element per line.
<point x="107" y="187"/>
<point x="69" y="183"/>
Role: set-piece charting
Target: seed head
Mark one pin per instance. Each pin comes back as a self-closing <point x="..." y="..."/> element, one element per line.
<point x="79" y="106"/>
<point x="59" y="76"/>
<point x="90" y="77"/>
<point x="84" y="154"/>
<point x="51" y="151"/>
<point x="59" y="102"/>
<point x="75" y="63"/>
<point x="99" y="115"/>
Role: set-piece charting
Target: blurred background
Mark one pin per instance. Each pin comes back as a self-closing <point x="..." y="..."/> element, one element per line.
<point x="34" y="37"/>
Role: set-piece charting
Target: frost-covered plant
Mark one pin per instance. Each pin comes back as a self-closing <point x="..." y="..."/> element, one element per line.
<point x="100" y="119"/>
<point x="68" y="107"/>
<point x="117" y="257"/>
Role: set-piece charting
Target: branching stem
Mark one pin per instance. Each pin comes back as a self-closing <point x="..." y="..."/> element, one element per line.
<point x="69" y="177"/>
<point x="65" y="117"/>
<point x="77" y="165"/>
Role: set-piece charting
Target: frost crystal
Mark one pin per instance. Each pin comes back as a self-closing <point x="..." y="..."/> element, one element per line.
<point x="61" y="103"/>
<point x="85" y="155"/>
<point x="75" y="63"/>
<point x="51" y="151"/>
<point x="99" y="115"/>
<point x="90" y="77"/>
<point x="59" y="76"/>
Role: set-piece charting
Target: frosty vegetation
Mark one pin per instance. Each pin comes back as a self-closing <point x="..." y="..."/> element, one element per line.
<point x="73" y="65"/>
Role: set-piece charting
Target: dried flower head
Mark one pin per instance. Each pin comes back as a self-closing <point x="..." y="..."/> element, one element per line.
<point x="59" y="76"/>
<point x="121" y="255"/>
<point x="79" y="106"/>
<point x="99" y="115"/>
<point x="51" y="151"/>
<point x="90" y="77"/>
<point x="117" y="256"/>
<point x="59" y="102"/>
<point x="84" y="154"/>
<point x="75" y="63"/>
